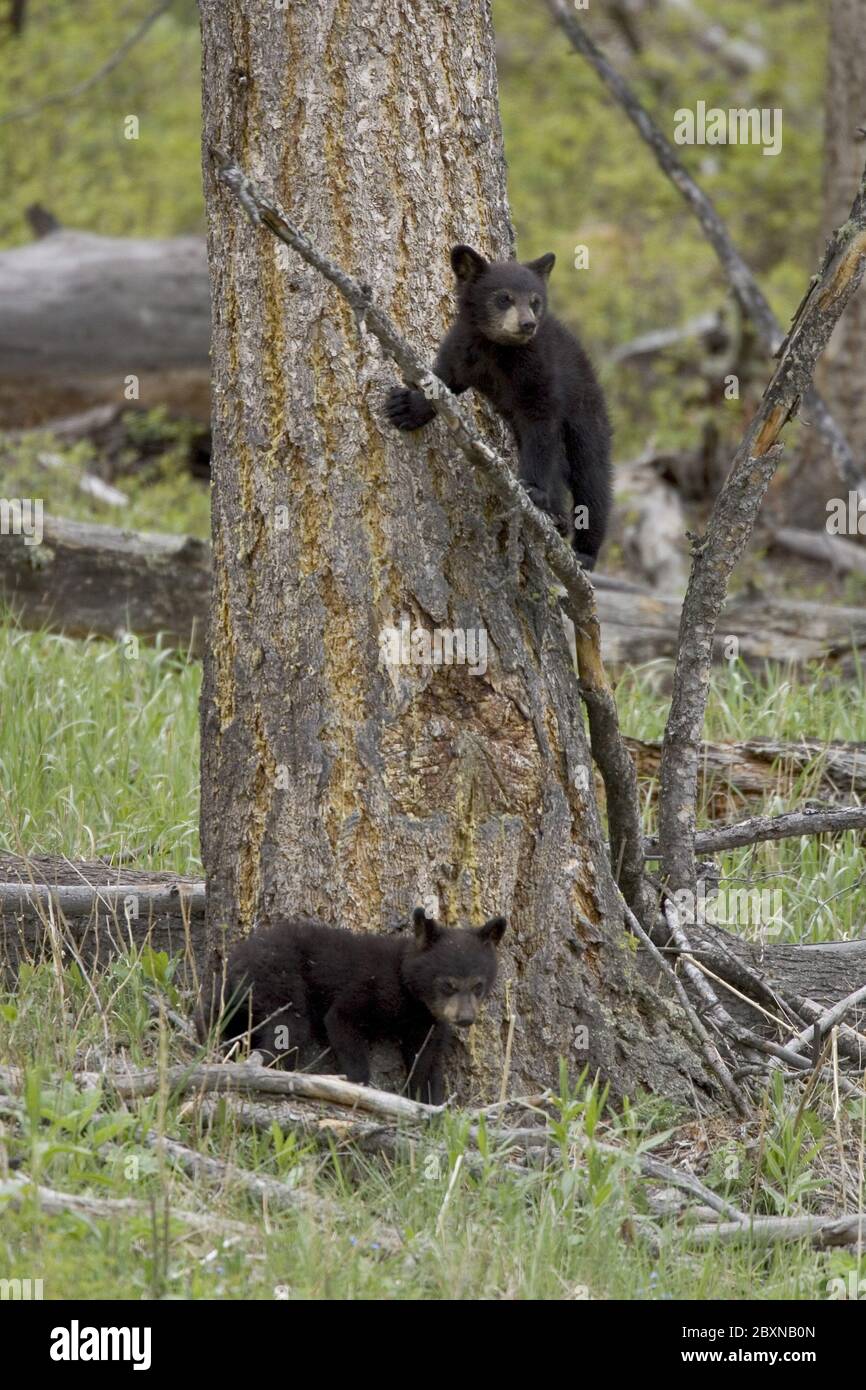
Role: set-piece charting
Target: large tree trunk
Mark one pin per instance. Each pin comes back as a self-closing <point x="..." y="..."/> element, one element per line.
<point x="333" y="784"/>
<point x="842" y="376"/>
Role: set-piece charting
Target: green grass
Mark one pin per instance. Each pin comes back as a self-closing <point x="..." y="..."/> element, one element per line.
<point x="98" y="751"/>
<point x="434" y="1228"/>
<point x="98" y="757"/>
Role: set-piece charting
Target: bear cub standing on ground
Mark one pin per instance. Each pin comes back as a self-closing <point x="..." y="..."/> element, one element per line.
<point x="299" y="983"/>
<point x="537" y="376"/>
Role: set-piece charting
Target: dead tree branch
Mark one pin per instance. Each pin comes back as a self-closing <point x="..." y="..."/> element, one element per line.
<point x="608" y="749"/>
<point x="19" y="1187"/>
<point x="822" y="1232"/>
<point x="247" y="1078"/>
<point x="812" y="1035"/>
<point x="711" y="1053"/>
<point x="728" y="532"/>
<point x="740" y="278"/>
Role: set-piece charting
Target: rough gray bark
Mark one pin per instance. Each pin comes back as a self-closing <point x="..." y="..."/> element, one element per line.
<point x="333" y="784"/>
<point x="728" y="531"/>
<point x="848" y="462"/>
<point x="606" y="743"/>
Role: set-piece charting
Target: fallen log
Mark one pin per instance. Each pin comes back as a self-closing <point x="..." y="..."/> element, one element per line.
<point x="111" y="911"/>
<point x="88" y="579"/>
<point x="85" y="579"/>
<point x="78" y="303"/>
<point x="843" y="556"/>
<point x="834" y="770"/>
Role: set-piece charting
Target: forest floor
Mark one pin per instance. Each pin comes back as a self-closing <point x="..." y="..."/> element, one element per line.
<point x="98" y="759"/>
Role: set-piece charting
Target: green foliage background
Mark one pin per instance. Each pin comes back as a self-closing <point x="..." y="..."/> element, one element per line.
<point x="578" y="172"/>
<point x="73" y="157"/>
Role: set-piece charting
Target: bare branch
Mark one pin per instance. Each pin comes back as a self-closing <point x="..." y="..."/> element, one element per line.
<point x="757" y="829"/>
<point x="711" y="1053"/>
<point x="246" y="1078"/>
<point x="738" y="274"/>
<point x="19" y="1187"/>
<point x="823" y="1232"/>
<point x="828" y="1020"/>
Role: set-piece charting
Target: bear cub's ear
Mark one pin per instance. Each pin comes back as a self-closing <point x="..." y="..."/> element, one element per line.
<point x="493" y="931"/>
<point x="466" y="263"/>
<point x="427" y="930"/>
<point x="543" y="266"/>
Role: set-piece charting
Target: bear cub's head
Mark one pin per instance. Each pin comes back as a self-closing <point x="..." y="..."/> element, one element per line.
<point x="452" y="969"/>
<point x="506" y="300"/>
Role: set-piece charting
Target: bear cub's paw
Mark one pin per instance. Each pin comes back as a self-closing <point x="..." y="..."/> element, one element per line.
<point x="407" y="409"/>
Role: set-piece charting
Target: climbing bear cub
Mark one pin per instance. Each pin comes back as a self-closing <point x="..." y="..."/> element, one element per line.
<point x="298" y="983"/>
<point x="537" y="376"/>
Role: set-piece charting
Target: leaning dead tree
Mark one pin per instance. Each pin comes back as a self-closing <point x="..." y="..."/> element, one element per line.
<point x="749" y="294"/>
<point x="730" y="527"/>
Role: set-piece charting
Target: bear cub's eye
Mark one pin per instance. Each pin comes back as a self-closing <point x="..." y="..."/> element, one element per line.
<point x="504" y="299"/>
<point x="535" y="303"/>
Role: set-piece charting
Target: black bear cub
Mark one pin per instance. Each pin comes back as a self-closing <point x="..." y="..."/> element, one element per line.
<point x="298" y="984"/>
<point x="537" y="376"/>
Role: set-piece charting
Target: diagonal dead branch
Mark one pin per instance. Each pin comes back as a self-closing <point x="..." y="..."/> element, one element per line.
<point x="728" y="532"/>
<point x="811" y="1036"/>
<point x="711" y="1053"/>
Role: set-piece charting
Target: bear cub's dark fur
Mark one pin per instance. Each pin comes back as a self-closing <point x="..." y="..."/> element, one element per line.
<point x="537" y="376"/>
<point x="298" y="983"/>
